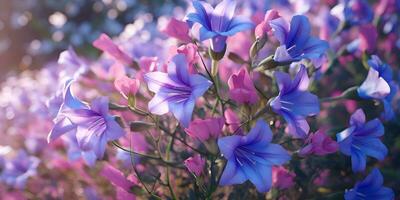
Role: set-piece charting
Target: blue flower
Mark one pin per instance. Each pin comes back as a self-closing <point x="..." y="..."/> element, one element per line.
<point x="294" y="102"/>
<point x="251" y="157"/>
<point x="176" y="91"/>
<point x="362" y="139"/>
<point x="219" y="23"/>
<point x="380" y="85"/>
<point x="370" y="188"/>
<point x="353" y="12"/>
<point x="296" y="43"/>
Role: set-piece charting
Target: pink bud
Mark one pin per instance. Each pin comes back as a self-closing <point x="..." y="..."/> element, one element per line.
<point x="116" y="177"/>
<point x="127" y="86"/>
<point x="195" y="164"/>
<point x="205" y="129"/>
<point x="233" y="121"/>
<point x="368" y="37"/>
<point x="282" y="178"/>
<point x="190" y="51"/>
<point x="319" y="144"/>
<point x="177" y="29"/>
<point x="105" y="44"/>
<point x="241" y="88"/>
<point x="264" y="27"/>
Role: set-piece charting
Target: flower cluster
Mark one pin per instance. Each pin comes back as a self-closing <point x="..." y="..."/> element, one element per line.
<point x="227" y="100"/>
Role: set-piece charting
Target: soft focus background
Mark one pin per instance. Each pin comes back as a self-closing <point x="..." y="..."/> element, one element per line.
<point x="34" y="32"/>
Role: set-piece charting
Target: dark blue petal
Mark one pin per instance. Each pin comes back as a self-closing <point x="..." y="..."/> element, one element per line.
<point x="232" y="174"/>
<point x="358" y="160"/>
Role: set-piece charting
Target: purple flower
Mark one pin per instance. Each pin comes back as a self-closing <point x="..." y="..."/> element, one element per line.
<point x="296" y="43"/>
<point x="362" y="139"/>
<point x="62" y="124"/>
<point x="176" y="91"/>
<point x="294" y="102"/>
<point x="218" y="23"/>
<point x="195" y="164"/>
<point x="380" y="85"/>
<point x="251" y="157"/>
<point x="370" y="188"/>
<point x="319" y="144"/>
<point x="94" y="126"/>
<point x="18" y="170"/>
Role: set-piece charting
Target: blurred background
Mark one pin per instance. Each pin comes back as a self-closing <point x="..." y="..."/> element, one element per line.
<point x="34" y="32"/>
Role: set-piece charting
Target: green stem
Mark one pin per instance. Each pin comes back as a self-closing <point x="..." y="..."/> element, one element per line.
<point x="167" y="155"/>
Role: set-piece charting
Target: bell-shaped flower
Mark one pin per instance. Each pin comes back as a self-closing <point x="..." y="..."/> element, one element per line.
<point x="294" y="103"/>
<point x="195" y="164"/>
<point x="204" y="129"/>
<point x="379" y="85"/>
<point x="241" y="88"/>
<point x="370" y="188"/>
<point x="62" y="124"/>
<point x="319" y="144"/>
<point x="95" y="126"/>
<point x="176" y="91"/>
<point x="127" y="86"/>
<point x="251" y="157"/>
<point x="296" y="43"/>
<point x="218" y="23"/>
<point x="361" y="139"/>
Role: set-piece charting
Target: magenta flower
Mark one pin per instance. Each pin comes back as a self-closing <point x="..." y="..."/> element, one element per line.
<point x="241" y="88"/>
<point x="294" y="102"/>
<point x="123" y="185"/>
<point x="105" y="44"/>
<point x="218" y="23"/>
<point x="282" y="178"/>
<point x="94" y="126"/>
<point x="263" y="28"/>
<point x="195" y="164"/>
<point x="190" y="51"/>
<point x="204" y="129"/>
<point x="319" y="144"/>
<point x="177" y="29"/>
<point x="127" y="86"/>
<point x="251" y="157"/>
<point x="232" y="122"/>
<point x="176" y="91"/>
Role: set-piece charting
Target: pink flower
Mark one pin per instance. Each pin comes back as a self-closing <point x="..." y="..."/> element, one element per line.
<point x="204" y="129"/>
<point x="241" y="88"/>
<point x="282" y="178"/>
<point x="105" y="44"/>
<point x="232" y="121"/>
<point x="195" y="164"/>
<point x="368" y="37"/>
<point x="263" y="28"/>
<point x="320" y="144"/>
<point x="177" y="29"/>
<point x="123" y="185"/>
<point x="190" y="51"/>
<point x="127" y="86"/>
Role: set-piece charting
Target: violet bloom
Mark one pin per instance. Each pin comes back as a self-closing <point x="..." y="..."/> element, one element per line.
<point x="176" y="91"/>
<point x="294" y="102"/>
<point x="362" y="139"/>
<point x="195" y="164"/>
<point x="370" y="188"/>
<point x="296" y="43"/>
<point x="18" y="170"/>
<point x="94" y="126"/>
<point x="380" y="85"/>
<point x="319" y="144"/>
<point x="241" y="88"/>
<point x="62" y="124"/>
<point x="251" y="157"/>
<point x="218" y="23"/>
